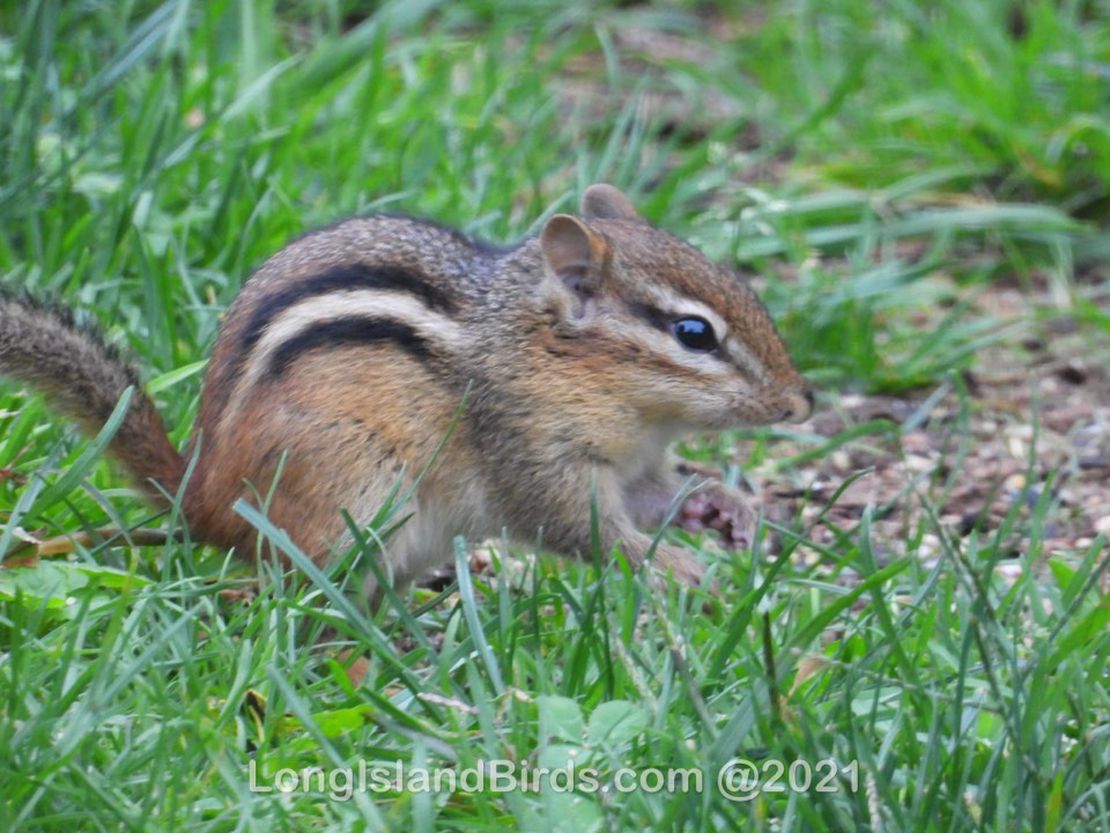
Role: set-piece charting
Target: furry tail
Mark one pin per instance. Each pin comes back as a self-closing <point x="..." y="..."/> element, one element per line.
<point x="83" y="378"/>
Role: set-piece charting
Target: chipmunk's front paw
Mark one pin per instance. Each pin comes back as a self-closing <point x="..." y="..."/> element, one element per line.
<point x="723" y="509"/>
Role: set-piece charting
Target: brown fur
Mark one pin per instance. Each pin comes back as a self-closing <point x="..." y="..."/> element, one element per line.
<point x="84" y="379"/>
<point x="570" y="394"/>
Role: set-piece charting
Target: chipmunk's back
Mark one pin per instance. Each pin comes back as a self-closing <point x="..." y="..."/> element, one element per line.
<point x="344" y="340"/>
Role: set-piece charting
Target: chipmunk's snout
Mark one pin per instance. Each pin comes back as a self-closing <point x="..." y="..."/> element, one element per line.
<point x="798" y="405"/>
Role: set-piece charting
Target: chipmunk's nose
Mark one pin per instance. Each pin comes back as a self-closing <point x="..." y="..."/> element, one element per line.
<point x="799" y="405"/>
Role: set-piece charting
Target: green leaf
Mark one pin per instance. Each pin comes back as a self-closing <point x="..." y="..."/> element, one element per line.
<point x="47" y="583"/>
<point x="178" y="374"/>
<point x="560" y="718"/>
<point x="616" y="723"/>
<point x="1083" y="631"/>
<point x="822" y="620"/>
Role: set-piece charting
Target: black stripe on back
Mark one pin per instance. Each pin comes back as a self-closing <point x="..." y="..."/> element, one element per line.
<point x="360" y="330"/>
<point x="347" y="277"/>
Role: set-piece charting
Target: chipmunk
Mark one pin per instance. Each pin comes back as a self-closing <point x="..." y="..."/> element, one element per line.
<point x="583" y="353"/>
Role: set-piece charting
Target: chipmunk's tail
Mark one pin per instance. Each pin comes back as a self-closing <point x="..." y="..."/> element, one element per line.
<point x="83" y="378"/>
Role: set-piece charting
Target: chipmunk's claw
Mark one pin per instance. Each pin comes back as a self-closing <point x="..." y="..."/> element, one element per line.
<point x="723" y="509"/>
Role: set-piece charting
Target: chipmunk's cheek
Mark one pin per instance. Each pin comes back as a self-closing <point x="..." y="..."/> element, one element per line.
<point x="706" y="410"/>
<point x="746" y="408"/>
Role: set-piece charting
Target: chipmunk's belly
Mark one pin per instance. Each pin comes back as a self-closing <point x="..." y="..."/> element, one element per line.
<point x="426" y="538"/>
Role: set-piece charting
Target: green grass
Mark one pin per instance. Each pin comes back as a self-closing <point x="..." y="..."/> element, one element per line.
<point x="874" y="164"/>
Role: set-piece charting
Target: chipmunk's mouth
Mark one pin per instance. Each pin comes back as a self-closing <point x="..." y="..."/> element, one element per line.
<point x="768" y="407"/>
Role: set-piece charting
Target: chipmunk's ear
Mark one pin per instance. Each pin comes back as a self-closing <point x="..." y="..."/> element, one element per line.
<point x="604" y="202"/>
<point x="574" y="255"/>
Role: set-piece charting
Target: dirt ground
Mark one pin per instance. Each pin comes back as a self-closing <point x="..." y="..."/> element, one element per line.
<point x="1034" y="418"/>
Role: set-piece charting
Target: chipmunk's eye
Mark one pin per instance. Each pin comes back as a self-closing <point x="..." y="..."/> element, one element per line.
<point x="695" y="333"/>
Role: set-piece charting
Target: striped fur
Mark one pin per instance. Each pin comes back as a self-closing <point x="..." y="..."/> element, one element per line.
<point x="326" y="335"/>
<point x="341" y="366"/>
<point x="342" y="279"/>
<point x="387" y="315"/>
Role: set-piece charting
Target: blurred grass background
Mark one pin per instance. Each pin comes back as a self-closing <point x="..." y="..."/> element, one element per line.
<point x="879" y="166"/>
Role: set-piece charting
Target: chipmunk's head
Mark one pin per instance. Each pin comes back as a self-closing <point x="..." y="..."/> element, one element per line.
<point x="684" y="340"/>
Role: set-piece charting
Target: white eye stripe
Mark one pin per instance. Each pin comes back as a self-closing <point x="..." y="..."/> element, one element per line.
<point x="677" y="306"/>
<point x="665" y="344"/>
